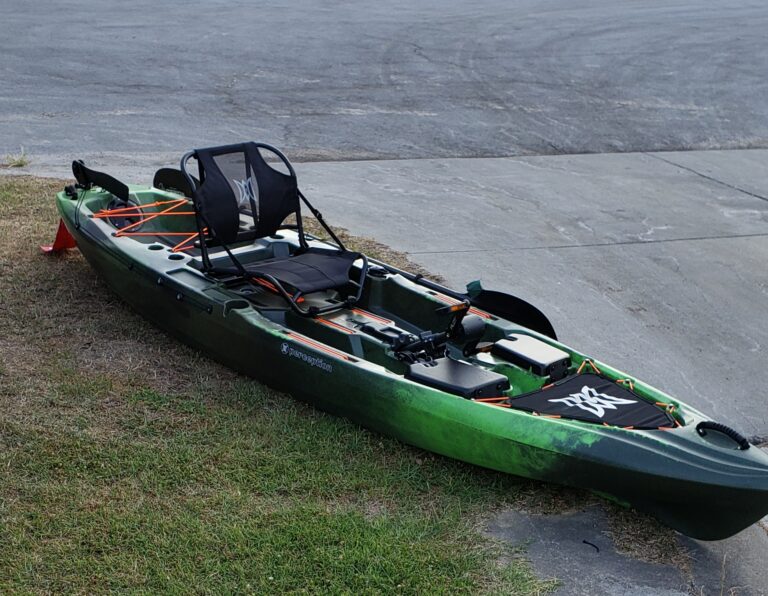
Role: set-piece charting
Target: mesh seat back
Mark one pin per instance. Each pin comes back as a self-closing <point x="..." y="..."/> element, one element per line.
<point x="236" y="179"/>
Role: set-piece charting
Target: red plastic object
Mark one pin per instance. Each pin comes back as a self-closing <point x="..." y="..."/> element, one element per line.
<point x="63" y="241"/>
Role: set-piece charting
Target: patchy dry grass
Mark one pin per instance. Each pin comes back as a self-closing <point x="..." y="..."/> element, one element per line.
<point x="16" y="160"/>
<point x="131" y="462"/>
<point x="642" y="537"/>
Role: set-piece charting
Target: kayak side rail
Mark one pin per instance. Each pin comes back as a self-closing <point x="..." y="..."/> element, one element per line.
<point x="182" y="293"/>
<point x="419" y="279"/>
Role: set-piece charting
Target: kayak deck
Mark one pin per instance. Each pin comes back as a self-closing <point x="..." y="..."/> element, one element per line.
<point x="388" y="301"/>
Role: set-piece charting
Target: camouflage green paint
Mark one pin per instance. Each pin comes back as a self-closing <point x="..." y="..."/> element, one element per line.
<point x="674" y="474"/>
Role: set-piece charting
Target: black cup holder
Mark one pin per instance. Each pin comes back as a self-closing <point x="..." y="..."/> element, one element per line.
<point x="236" y="304"/>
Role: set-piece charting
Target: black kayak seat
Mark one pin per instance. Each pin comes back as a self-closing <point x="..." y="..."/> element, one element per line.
<point x="313" y="270"/>
<point x="235" y="180"/>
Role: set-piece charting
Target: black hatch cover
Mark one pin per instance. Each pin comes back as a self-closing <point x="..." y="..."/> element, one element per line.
<point x="458" y="377"/>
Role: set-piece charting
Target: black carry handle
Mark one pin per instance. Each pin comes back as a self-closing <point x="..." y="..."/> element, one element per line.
<point x="88" y="178"/>
<point x="702" y="427"/>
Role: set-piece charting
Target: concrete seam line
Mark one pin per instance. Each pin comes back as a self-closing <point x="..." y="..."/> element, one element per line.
<point x="707" y="177"/>
<point x="592" y="245"/>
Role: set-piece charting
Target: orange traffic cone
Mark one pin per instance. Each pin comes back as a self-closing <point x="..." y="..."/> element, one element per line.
<point x="63" y="241"/>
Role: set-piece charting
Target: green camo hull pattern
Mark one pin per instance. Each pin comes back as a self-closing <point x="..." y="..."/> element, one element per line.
<point x="701" y="488"/>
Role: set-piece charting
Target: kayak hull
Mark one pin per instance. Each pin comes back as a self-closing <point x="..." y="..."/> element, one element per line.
<point x="700" y="489"/>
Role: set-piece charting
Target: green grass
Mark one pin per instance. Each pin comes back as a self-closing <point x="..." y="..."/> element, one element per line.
<point x="252" y="493"/>
<point x="129" y="462"/>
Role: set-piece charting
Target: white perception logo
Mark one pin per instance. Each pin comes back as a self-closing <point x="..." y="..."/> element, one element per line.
<point x="248" y="190"/>
<point x="288" y="350"/>
<point x="592" y="401"/>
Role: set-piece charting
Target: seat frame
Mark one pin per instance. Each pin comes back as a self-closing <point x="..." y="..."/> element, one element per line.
<point x="206" y="233"/>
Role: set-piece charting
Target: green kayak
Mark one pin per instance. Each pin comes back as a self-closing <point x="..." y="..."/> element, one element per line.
<point x="219" y="258"/>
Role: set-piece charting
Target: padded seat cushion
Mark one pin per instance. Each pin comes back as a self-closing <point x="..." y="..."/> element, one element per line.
<point x="313" y="270"/>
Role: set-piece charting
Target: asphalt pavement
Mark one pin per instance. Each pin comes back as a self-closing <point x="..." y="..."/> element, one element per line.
<point x="330" y="80"/>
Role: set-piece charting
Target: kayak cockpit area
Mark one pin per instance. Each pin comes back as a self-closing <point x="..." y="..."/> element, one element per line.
<point x="426" y="335"/>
